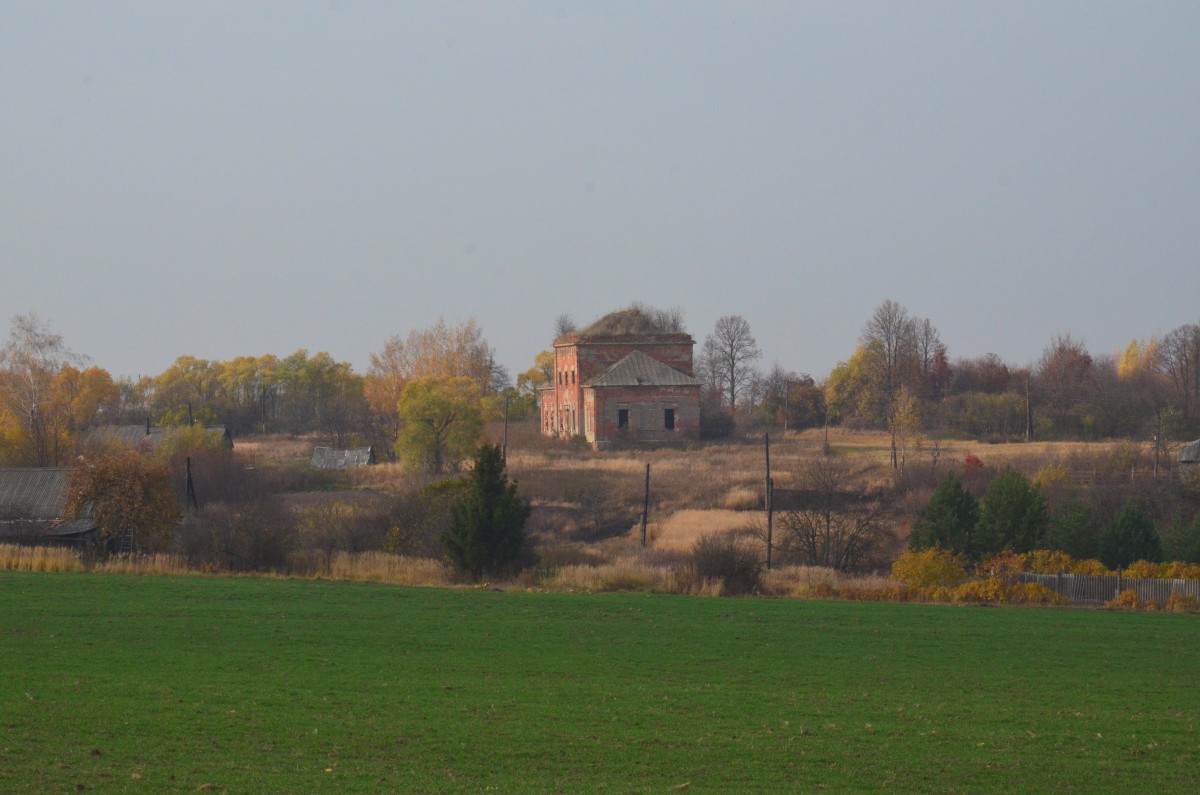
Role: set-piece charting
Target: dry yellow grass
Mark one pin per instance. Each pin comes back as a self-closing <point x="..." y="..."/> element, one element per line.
<point x="632" y="574"/>
<point x="623" y="574"/>
<point x="393" y="569"/>
<point x="155" y="563"/>
<point x="680" y="530"/>
<point x="741" y="498"/>
<point x="18" y="558"/>
<point x="795" y="580"/>
<point x="274" y="449"/>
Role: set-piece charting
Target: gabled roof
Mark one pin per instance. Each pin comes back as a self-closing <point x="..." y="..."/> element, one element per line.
<point x="35" y="493"/>
<point x="638" y="369"/>
<point x="328" y="458"/>
<point x="33" y="501"/>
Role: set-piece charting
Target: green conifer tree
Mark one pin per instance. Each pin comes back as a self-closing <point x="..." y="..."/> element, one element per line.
<point x="948" y="521"/>
<point x="487" y="524"/>
<point x="1129" y="537"/>
<point x="1071" y="530"/>
<point x="1012" y="515"/>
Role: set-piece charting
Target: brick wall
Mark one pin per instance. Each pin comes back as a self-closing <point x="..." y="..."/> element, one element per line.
<point x="646" y="407"/>
<point x="568" y="411"/>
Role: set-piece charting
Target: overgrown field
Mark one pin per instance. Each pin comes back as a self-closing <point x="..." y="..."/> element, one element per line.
<point x="160" y="684"/>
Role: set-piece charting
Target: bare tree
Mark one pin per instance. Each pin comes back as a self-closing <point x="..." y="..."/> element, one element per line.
<point x="668" y="320"/>
<point x="564" y="324"/>
<point x="838" y="526"/>
<point x="889" y="340"/>
<point x="732" y="351"/>
<point x="1064" y="374"/>
<point x="440" y="351"/>
<point x="1177" y="357"/>
<point x="929" y="352"/>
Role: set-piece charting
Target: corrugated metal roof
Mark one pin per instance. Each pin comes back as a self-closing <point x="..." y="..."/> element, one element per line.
<point x="328" y="458"/>
<point x="34" y="493"/>
<point x="638" y="369"/>
<point x="32" y="503"/>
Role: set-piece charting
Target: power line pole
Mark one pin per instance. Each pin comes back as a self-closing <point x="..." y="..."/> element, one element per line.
<point x="646" y="505"/>
<point x="504" y="451"/>
<point x="769" y="489"/>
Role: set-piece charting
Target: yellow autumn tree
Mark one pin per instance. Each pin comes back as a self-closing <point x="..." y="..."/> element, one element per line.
<point x="125" y="492"/>
<point x="441" y="422"/>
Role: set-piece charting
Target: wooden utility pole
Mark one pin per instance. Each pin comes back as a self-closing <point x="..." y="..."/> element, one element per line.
<point x="646" y="505"/>
<point x="1028" y="408"/>
<point x="769" y="489"/>
<point x="504" y="450"/>
<point x="191" y="487"/>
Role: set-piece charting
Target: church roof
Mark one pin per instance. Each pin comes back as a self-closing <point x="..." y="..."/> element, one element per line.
<point x="638" y="369"/>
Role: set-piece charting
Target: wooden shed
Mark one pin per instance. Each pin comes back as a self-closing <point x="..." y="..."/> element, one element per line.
<point x="32" y="508"/>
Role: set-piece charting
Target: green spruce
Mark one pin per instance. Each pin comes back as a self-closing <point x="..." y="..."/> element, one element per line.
<point x="486" y="536"/>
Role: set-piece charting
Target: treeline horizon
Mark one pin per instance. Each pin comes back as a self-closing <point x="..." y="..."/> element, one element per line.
<point x="898" y="376"/>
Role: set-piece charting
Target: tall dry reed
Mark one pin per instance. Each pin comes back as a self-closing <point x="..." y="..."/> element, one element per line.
<point x="14" y="557"/>
<point x="147" y="563"/>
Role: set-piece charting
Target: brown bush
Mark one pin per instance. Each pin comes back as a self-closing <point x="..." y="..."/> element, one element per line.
<point x="252" y="536"/>
<point x="730" y="560"/>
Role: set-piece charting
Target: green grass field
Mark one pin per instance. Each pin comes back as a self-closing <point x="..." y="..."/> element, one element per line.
<point x="158" y="684"/>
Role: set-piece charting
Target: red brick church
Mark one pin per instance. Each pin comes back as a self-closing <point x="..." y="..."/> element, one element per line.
<point x="622" y="379"/>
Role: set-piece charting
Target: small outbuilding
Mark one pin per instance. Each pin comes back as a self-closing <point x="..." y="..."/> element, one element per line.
<point x="1189" y="459"/>
<point x="329" y="458"/>
<point x="33" y="507"/>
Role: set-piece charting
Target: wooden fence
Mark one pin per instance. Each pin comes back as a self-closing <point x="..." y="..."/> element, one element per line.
<point x="1096" y="589"/>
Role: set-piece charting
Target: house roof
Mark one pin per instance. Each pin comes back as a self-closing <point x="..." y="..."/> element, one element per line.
<point x="139" y="436"/>
<point x="638" y="369"/>
<point x="1190" y="453"/>
<point x="33" y="501"/>
<point x="328" y="458"/>
<point x="35" y="493"/>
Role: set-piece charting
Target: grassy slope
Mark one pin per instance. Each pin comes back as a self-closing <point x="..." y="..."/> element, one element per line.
<point x="169" y="684"/>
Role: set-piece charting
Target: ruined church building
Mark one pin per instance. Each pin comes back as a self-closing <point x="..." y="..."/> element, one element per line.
<point x="622" y="379"/>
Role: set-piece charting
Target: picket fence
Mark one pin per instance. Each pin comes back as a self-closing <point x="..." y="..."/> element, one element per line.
<point x="1095" y="589"/>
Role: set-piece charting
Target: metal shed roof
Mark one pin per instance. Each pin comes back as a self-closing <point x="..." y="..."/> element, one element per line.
<point x="329" y="458"/>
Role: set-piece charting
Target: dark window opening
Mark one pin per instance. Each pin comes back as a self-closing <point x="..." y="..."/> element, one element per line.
<point x="669" y="419"/>
<point x="622" y="418"/>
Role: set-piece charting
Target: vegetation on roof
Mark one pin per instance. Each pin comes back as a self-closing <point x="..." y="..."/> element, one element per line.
<point x="637" y="319"/>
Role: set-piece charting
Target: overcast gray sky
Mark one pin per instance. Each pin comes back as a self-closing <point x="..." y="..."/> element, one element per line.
<point x="228" y="178"/>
